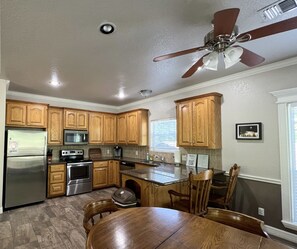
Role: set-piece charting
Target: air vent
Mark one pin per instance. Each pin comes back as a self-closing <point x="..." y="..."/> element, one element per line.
<point x="277" y="8"/>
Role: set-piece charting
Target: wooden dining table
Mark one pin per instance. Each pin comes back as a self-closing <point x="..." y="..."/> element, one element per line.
<point x="154" y="227"/>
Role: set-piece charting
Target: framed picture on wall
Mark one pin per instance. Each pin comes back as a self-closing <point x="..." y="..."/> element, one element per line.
<point x="191" y="160"/>
<point x="249" y="131"/>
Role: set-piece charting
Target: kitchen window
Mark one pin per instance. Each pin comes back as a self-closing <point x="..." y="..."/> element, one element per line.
<point x="287" y="121"/>
<point x="163" y="135"/>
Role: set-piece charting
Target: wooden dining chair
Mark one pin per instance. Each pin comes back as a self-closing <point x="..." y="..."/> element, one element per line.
<point x="196" y="200"/>
<point x="96" y="208"/>
<point x="238" y="220"/>
<point x="221" y="193"/>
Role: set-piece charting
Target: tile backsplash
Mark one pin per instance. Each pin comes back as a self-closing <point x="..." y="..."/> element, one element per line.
<point x="140" y="152"/>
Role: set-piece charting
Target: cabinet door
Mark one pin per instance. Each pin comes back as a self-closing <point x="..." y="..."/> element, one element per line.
<point x="200" y="122"/>
<point x="69" y="119"/>
<point x="55" y="126"/>
<point x="81" y="120"/>
<point x="184" y="123"/>
<point x="109" y="130"/>
<point x="121" y="129"/>
<point x="16" y="114"/>
<point x="95" y="128"/>
<point x="132" y="128"/>
<point x="100" y="177"/>
<point x="36" y="115"/>
<point x="114" y="173"/>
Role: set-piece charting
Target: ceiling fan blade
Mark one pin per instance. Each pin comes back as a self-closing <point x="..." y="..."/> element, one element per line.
<point x="250" y="58"/>
<point x="224" y="21"/>
<point x="195" y="67"/>
<point x="271" y="29"/>
<point x="183" y="52"/>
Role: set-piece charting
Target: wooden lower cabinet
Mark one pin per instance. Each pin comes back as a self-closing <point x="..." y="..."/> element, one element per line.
<point x="56" y="180"/>
<point x="114" y="172"/>
<point x="100" y="174"/>
<point x="151" y="194"/>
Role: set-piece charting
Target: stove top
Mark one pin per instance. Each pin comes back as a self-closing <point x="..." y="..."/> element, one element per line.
<point x="73" y="156"/>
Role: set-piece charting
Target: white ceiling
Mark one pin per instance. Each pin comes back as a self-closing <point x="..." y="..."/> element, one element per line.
<point x="40" y="38"/>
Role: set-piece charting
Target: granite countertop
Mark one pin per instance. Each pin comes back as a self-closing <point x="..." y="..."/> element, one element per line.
<point x="107" y="158"/>
<point x="165" y="174"/>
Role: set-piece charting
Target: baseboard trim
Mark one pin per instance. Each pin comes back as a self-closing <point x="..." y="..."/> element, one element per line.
<point x="281" y="234"/>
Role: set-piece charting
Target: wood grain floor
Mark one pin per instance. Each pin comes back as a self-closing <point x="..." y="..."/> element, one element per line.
<point x="55" y="223"/>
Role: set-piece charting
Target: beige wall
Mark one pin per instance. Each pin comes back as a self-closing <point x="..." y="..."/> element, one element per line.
<point x="3" y="85"/>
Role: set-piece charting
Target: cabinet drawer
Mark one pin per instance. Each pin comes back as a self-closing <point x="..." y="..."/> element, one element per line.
<point x="100" y="164"/>
<point x="57" y="177"/>
<point x="57" y="189"/>
<point x="58" y="167"/>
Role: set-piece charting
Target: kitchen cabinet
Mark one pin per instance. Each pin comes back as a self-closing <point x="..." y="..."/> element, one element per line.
<point x="24" y="114"/>
<point x="132" y="127"/>
<point x="199" y="121"/>
<point x="56" y="180"/>
<point x="95" y="128"/>
<point x="100" y="174"/>
<point x="55" y="126"/>
<point x="114" y="172"/>
<point x="109" y="128"/>
<point x="75" y="119"/>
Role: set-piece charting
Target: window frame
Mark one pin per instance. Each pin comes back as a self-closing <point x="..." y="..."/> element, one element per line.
<point x="284" y="99"/>
<point x="154" y="149"/>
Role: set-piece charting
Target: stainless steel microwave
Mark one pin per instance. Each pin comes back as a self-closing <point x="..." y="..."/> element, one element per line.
<point x="75" y="137"/>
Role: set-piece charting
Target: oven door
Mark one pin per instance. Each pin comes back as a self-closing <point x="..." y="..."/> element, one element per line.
<point x="79" y="172"/>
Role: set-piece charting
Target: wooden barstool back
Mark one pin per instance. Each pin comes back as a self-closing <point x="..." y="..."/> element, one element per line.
<point x="238" y="220"/>
<point x="94" y="208"/>
<point x="197" y="200"/>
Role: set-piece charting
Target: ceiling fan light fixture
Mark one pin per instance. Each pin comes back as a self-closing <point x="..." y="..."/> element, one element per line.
<point x="232" y="56"/>
<point x="211" y="61"/>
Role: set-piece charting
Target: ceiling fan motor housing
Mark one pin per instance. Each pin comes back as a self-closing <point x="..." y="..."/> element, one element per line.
<point x="220" y="42"/>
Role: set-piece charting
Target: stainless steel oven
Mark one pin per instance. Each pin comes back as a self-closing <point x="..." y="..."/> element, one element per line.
<point x="79" y="178"/>
<point x="79" y="172"/>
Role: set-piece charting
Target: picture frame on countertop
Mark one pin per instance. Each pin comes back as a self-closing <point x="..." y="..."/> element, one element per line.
<point x="191" y="160"/>
<point x="249" y="131"/>
<point x="203" y="161"/>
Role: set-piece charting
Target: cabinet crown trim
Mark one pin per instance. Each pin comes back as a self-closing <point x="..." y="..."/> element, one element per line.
<point x="200" y="96"/>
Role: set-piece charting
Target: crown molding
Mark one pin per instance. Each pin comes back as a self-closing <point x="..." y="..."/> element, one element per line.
<point x="254" y="71"/>
<point x="62" y="102"/>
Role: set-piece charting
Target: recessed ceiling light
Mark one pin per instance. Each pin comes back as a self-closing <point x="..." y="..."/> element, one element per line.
<point x="55" y="83"/>
<point x="107" y="28"/>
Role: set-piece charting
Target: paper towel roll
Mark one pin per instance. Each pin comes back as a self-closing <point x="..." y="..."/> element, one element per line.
<point x="177" y="157"/>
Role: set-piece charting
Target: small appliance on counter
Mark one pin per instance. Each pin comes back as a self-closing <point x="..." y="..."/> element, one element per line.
<point x="117" y="151"/>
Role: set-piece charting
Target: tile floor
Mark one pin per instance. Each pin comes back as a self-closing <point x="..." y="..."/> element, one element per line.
<point x="55" y="223"/>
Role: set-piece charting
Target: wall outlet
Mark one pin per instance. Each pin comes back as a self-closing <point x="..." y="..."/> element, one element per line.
<point x="136" y="152"/>
<point x="261" y="211"/>
<point x="107" y="152"/>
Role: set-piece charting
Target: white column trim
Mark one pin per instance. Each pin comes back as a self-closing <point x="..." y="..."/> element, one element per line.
<point x="284" y="98"/>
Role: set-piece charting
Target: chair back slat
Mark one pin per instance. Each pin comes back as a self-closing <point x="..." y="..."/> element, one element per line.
<point x="199" y="189"/>
<point x="233" y="176"/>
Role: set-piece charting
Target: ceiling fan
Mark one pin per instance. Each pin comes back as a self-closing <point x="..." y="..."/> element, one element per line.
<point x="224" y="38"/>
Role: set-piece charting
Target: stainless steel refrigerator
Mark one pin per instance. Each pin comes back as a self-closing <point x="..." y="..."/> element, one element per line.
<point x="25" y="167"/>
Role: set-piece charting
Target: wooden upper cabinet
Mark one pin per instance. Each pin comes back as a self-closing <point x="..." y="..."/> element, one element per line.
<point x="75" y="119"/>
<point x="109" y="128"/>
<point x="25" y="114"/>
<point x="199" y="121"/>
<point x="95" y="128"/>
<point x="133" y="127"/>
<point x="55" y="126"/>
<point x="122" y="129"/>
